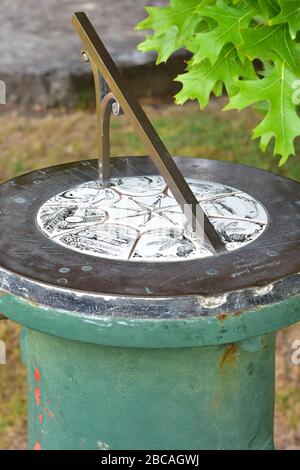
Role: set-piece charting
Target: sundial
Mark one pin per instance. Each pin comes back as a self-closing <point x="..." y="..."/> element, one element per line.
<point x="149" y="289"/>
<point x="149" y="226"/>
<point x="146" y="228"/>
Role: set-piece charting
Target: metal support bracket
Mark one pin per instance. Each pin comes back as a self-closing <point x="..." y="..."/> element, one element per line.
<point x="106" y="104"/>
<point x="120" y="98"/>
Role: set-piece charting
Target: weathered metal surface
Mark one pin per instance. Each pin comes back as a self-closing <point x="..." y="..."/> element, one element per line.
<point x="29" y="259"/>
<point x="149" y="328"/>
<point x="83" y="396"/>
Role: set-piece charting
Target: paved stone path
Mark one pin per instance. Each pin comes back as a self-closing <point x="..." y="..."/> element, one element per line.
<point x="39" y="51"/>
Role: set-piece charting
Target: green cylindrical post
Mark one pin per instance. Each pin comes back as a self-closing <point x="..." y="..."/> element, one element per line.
<point x="113" y="383"/>
<point x="86" y="396"/>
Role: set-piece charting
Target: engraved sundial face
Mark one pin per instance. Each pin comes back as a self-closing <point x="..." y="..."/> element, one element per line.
<point x="138" y="219"/>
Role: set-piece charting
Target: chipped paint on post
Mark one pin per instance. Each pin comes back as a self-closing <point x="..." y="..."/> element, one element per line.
<point x="49" y="413"/>
<point x="37" y="395"/>
<point x="102" y="445"/>
<point x="37" y="374"/>
<point x="37" y="389"/>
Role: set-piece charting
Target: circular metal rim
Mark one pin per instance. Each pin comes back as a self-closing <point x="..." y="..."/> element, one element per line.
<point x="202" y="302"/>
<point x="152" y="332"/>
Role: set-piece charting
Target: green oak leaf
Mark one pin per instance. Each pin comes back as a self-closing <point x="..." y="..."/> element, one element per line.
<point x="290" y="13"/>
<point x="281" y="120"/>
<point x="270" y="8"/>
<point x="202" y="79"/>
<point x="259" y="42"/>
<point x="165" y="44"/>
<point x="172" y="26"/>
<point x="208" y="45"/>
<point x="226" y="37"/>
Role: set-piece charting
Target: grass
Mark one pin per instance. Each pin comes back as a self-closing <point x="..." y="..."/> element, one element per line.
<point x="41" y="139"/>
<point x="12" y="391"/>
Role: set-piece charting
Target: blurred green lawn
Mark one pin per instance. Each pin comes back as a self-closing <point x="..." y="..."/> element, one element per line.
<point x="41" y="139"/>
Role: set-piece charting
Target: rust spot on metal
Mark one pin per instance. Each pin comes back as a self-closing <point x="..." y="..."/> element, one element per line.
<point x="37" y="446"/>
<point x="41" y="418"/>
<point x="236" y="313"/>
<point x="230" y="355"/>
<point x="222" y="316"/>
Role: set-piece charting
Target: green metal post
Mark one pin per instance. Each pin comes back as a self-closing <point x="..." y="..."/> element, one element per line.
<point x="117" y="383"/>
<point x="84" y="396"/>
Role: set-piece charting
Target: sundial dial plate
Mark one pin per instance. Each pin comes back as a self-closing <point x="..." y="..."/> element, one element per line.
<point x="138" y="219"/>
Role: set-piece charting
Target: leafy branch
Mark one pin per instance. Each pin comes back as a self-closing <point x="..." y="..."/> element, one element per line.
<point x="227" y="39"/>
